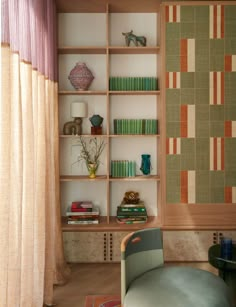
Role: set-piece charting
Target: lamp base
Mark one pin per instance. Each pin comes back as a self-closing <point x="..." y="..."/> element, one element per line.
<point x="96" y="130"/>
<point x="73" y="128"/>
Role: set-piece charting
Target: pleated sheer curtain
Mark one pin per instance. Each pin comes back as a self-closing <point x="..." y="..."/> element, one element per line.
<point x="31" y="253"/>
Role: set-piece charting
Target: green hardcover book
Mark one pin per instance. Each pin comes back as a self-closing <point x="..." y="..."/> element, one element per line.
<point x="139" y="204"/>
<point x="131" y="209"/>
<point x="130" y="214"/>
<point x="115" y="126"/>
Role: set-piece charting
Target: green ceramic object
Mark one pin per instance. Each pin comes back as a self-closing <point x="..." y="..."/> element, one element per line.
<point x="96" y="120"/>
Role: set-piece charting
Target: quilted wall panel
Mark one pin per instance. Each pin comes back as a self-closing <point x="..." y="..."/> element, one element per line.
<point x="200" y="50"/>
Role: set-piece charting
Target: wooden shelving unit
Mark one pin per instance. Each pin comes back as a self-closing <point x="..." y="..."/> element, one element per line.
<point x="108" y="50"/>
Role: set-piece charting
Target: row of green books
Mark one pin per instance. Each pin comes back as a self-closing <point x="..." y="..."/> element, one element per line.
<point x="123" y="168"/>
<point x="135" y="126"/>
<point x="133" y="84"/>
<point x="131" y="213"/>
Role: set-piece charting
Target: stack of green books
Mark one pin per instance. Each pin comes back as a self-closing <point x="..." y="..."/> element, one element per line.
<point x="123" y="168"/>
<point x="135" y="126"/>
<point x="133" y="84"/>
<point x="131" y="213"/>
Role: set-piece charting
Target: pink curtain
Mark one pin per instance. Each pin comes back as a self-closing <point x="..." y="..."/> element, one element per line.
<point x="31" y="258"/>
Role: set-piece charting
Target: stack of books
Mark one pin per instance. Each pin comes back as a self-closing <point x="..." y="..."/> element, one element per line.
<point x="83" y="213"/>
<point x="123" y="168"/>
<point x="131" y="213"/>
<point x="135" y="126"/>
<point x="133" y="83"/>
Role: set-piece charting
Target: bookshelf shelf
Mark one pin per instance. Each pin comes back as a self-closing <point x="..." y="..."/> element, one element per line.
<point x="84" y="135"/>
<point x="109" y="49"/>
<point x="133" y="135"/>
<point x="112" y="225"/>
<point x="82" y="178"/>
<point x="145" y="93"/>
<point x="136" y="178"/>
<point x="133" y="50"/>
<point x="82" y="93"/>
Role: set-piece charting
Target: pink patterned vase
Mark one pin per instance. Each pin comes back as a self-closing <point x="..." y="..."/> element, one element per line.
<point x="81" y="77"/>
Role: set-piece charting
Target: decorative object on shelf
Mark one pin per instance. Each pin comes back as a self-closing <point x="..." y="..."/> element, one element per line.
<point x="90" y="153"/>
<point x="78" y="111"/>
<point x="92" y="168"/>
<point x="146" y="164"/>
<point x="81" y="77"/>
<point x="131" y="197"/>
<point x="96" y="120"/>
<point x="137" y="40"/>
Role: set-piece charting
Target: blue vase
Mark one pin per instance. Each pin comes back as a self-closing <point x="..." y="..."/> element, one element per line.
<point x="146" y="164"/>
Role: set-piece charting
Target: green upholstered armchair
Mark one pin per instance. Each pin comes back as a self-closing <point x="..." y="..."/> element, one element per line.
<point x="141" y="251"/>
<point x="146" y="281"/>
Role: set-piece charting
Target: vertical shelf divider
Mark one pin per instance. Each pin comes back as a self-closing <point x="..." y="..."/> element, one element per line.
<point x="108" y="110"/>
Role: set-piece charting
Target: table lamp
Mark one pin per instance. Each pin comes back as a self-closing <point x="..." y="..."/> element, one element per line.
<point x="78" y="111"/>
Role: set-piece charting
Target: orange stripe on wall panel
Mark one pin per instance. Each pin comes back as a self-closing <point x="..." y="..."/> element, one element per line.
<point x="228" y="195"/>
<point x="167" y="13"/>
<point x="167" y="147"/>
<point x="167" y="80"/>
<point x="175" y="146"/>
<point x="228" y="63"/>
<point x="174" y="13"/>
<point x="222" y="26"/>
<point x="215" y="21"/>
<point x="228" y="128"/>
<point x="184" y="119"/>
<point x="183" y="53"/>
<point x="184" y="187"/>
<point x="174" y="80"/>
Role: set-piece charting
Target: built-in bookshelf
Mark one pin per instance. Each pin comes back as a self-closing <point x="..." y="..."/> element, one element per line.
<point x="95" y="37"/>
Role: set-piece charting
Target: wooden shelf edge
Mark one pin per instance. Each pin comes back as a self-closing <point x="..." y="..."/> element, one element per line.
<point x="133" y="50"/>
<point x="82" y="92"/>
<point x="110" y="49"/>
<point x="136" y="178"/>
<point x="111" y="226"/>
<point x="64" y="178"/>
<point x="134" y="92"/>
<point x="83" y="135"/>
<point x="73" y="92"/>
<point x="133" y="135"/>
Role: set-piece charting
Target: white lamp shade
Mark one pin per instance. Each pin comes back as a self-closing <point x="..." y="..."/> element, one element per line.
<point x="79" y="109"/>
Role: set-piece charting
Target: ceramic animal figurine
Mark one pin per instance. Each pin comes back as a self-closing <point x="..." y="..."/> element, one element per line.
<point x="137" y="40"/>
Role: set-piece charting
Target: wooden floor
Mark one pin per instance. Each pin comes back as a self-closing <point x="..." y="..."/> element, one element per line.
<point x="94" y="279"/>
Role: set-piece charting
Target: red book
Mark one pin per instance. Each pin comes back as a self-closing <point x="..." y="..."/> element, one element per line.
<point x="81" y="209"/>
<point x="81" y="204"/>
